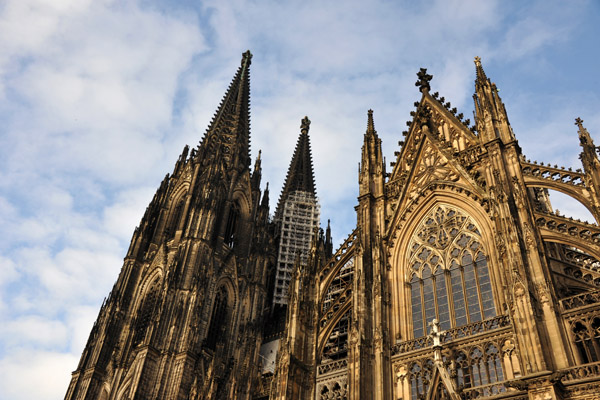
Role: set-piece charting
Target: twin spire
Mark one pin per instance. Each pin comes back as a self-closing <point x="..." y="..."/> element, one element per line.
<point x="300" y="175"/>
<point x="227" y="138"/>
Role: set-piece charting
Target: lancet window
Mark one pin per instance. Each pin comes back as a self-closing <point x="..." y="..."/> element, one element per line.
<point x="479" y="367"/>
<point x="231" y="227"/>
<point x="586" y="333"/>
<point x="218" y="320"/>
<point x="144" y="315"/>
<point x="474" y="367"/>
<point x="174" y="219"/>
<point x="448" y="273"/>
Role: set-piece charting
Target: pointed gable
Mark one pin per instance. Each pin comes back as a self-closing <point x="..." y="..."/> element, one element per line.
<point x="440" y="148"/>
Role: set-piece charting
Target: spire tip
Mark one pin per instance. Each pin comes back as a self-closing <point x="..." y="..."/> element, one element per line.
<point x="246" y="57"/>
<point x="479" y="68"/>
<point x="370" y="123"/>
<point x="424" y="79"/>
<point x="305" y="125"/>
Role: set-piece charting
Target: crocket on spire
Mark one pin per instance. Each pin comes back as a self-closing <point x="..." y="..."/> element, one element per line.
<point x="227" y="138"/>
<point x="490" y="114"/>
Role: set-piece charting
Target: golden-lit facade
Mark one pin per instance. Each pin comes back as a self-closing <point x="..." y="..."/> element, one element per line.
<point x="458" y="282"/>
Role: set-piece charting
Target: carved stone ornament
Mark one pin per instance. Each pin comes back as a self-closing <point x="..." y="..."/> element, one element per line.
<point x="433" y="166"/>
<point x="424" y="79"/>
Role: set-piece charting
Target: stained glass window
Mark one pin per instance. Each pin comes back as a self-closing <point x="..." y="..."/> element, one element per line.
<point x="144" y="315"/>
<point x="448" y="273"/>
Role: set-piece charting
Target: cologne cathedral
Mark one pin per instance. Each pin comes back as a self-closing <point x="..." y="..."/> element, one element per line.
<point x="459" y="280"/>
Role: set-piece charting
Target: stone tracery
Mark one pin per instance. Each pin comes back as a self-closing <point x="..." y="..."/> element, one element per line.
<point x="448" y="277"/>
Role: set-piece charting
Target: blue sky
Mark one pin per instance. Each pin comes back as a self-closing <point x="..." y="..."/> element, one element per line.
<point x="98" y="97"/>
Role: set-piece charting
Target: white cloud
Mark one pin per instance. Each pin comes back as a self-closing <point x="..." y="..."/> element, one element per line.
<point x="38" y="374"/>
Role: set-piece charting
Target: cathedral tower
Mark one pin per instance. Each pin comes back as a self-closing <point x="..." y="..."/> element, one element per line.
<point x="297" y="214"/>
<point x="184" y="319"/>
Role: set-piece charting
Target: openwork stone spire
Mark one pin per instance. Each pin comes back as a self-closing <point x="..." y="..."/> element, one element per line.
<point x="490" y="114"/>
<point x="300" y="175"/>
<point x="227" y="138"/>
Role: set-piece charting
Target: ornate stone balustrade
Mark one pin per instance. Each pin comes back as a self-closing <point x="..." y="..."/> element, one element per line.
<point x="413" y="344"/>
<point x="333" y="366"/>
<point x="582" y="372"/>
<point x="479" y="392"/>
<point x="554" y="174"/>
<point x="581" y="300"/>
<point x="470" y="155"/>
<point x="566" y="226"/>
<point x="497" y="322"/>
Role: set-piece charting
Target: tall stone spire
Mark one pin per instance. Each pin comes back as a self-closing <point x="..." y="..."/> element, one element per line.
<point x="298" y="215"/>
<point x="490" y="115"/>
<point x="372" y="166"/>
<point x="300" y="175"/>
<point x="227" y="138"/>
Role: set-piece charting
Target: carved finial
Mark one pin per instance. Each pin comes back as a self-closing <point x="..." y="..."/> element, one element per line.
<point x="246" y="58"/>
<point x="370" y="123"/>
<point x="305" y="125"/>
<point x="259" y="153"/>
<point x="424" y="79"/>
<point x="479" y="69"/>
<point x="584" y="135"/>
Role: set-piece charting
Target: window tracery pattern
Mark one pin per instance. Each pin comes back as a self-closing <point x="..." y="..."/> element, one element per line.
<point x="586" y="332"/>
<point x="230" y="235"/>
<point x="145" y="311"/>
<point x="480" y="367"/>
<point x="448" y="273"/>
<point x="334" y="390"/>
<point x="175" y="218"/>
<point x="477" y="366"/>
<point x="218" y="320"/>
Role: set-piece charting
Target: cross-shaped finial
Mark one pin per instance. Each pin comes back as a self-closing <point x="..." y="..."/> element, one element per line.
<point x="305" y="125"/>
<point x="424" y="79"/>
<point x="246" y="57"/>
<point x="579" y="122"/>
<point x="478" y="61"/>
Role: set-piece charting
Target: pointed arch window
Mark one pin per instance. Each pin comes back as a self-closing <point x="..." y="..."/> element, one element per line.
<point x="175" y="219"/>
<point x="448" y="273"/>
<point x="218" y="320"/>
<point x="231" y="227"/>
<point x="480" y="367"/>
<point x="145" y="312"/>
<point x="587" y="339"/>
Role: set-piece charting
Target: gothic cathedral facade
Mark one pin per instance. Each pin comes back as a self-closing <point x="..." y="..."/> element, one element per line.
<point x="458" y="282"/>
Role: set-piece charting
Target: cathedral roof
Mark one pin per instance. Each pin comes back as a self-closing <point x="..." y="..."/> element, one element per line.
<point x="300" y="175"/>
